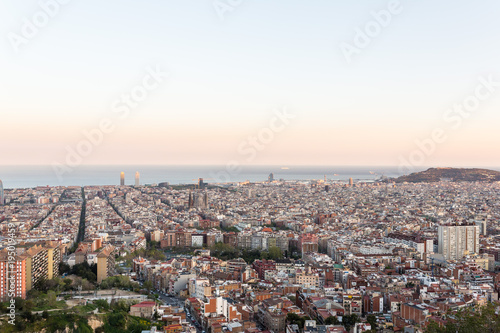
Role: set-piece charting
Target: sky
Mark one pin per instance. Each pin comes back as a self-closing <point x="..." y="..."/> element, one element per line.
<point x="299" y="82"/>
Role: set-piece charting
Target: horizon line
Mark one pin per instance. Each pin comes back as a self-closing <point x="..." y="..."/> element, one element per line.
<point x="264" y="165"/>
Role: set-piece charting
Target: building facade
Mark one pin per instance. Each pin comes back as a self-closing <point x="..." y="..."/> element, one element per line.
<point x="455" y="241"/>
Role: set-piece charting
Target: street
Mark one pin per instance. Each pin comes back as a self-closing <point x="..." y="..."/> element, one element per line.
<point x="170" y="300"/>
<point x="174" y="301"/>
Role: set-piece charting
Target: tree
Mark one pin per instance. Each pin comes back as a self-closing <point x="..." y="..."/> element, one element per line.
<point x="275" y="253"/>
<point x="119" y="281"/>
<point x="29" y="305"/>
<point x="349" y="321"/>
<point x="102" y="304"/>
<point x="83" y="326"/>
<point x="120" y="306"/>
<point x="64" y="268"/>
<point x="67" y="284"/>
<point x="85" y="271"/>
<point x="294" y="318"/>
<point x="434" y="327"/>
<point x="264" y="255"/>
<point x="117" y="320"/>
<point x="279" y="227"/>
<point x="471" y="320"/>
<point x="153" y="245"/>
<point x="51" y="298"/>
<point x="250" y="255"/>
<point x="148" y="285"/>
<point x="229" y="229"/>
<point x="28" y="316"/>
<point x="19" y="324"/>
<point x="372" y="320"/>
<point x="291" y="316"/>
<point x="20" y="303"/>
<point x="224" y="251"/>
<point x="138" y="326"/>
<point x="87" y="285"/>
<point x="331" y="320"/>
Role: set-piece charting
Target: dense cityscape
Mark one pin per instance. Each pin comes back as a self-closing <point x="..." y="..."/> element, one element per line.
<point x="272" y="256"/>
<point x="233" y="166"/>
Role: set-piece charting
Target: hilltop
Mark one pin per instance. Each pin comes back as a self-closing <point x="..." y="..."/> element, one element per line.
<point x="451" y="174"/>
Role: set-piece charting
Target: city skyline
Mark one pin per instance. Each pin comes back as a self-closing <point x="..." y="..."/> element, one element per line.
<point x="219" y="166"/>
<point x="219" y="83"/>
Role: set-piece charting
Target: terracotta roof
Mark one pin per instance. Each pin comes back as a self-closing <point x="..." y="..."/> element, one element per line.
<point x="106" y="251"/>
<point x="144" y="304"/>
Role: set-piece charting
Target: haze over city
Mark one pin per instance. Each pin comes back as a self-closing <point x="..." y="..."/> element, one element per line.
<point x="227" y="71"/>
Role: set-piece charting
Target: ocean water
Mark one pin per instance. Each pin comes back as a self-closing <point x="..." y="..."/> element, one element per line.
<point x="32" y="176"/>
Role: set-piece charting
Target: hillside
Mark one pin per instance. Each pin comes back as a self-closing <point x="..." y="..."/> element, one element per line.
<point x="451" y="174"/>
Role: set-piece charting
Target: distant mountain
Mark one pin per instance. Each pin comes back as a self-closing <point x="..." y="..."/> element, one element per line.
<point x="450" y="174"/>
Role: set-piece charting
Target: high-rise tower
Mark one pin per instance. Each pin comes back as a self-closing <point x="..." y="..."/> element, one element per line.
<point x="122" y="178"/>
<point x="271" y="177"/>
<point x="137" y="178"/>
<point x="455" y="241"/>
<point x="2" y="198"/>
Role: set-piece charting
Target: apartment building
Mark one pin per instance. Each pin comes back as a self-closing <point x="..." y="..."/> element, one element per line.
<point x="13" y="280"/>
<point x="37" y="266"/>
<point x="54" y="258"/>
<point x="105" y="263"/>
<point x="307" y="278"/>
<point x="456" y="241"/>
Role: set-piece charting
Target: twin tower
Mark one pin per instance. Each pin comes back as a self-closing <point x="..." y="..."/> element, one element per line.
<point x="137" y="178"/>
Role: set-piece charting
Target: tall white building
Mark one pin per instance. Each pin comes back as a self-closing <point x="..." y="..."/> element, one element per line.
<point x="455" y="241"/>
<point x="482" y="227"/>
<point x="197" y="240"/>
<point x="137" y="178"/>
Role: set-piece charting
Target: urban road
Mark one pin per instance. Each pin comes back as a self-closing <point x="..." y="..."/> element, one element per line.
<point x="174" y="301"/>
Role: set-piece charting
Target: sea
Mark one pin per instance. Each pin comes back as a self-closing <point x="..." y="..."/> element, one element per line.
<point x="85" y="175"/>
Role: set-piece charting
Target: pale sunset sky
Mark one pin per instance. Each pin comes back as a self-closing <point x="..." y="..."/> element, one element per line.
<point x="227" y="76"/>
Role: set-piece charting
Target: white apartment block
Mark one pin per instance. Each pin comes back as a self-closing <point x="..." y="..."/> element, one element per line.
<point x="455" y="241"/>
